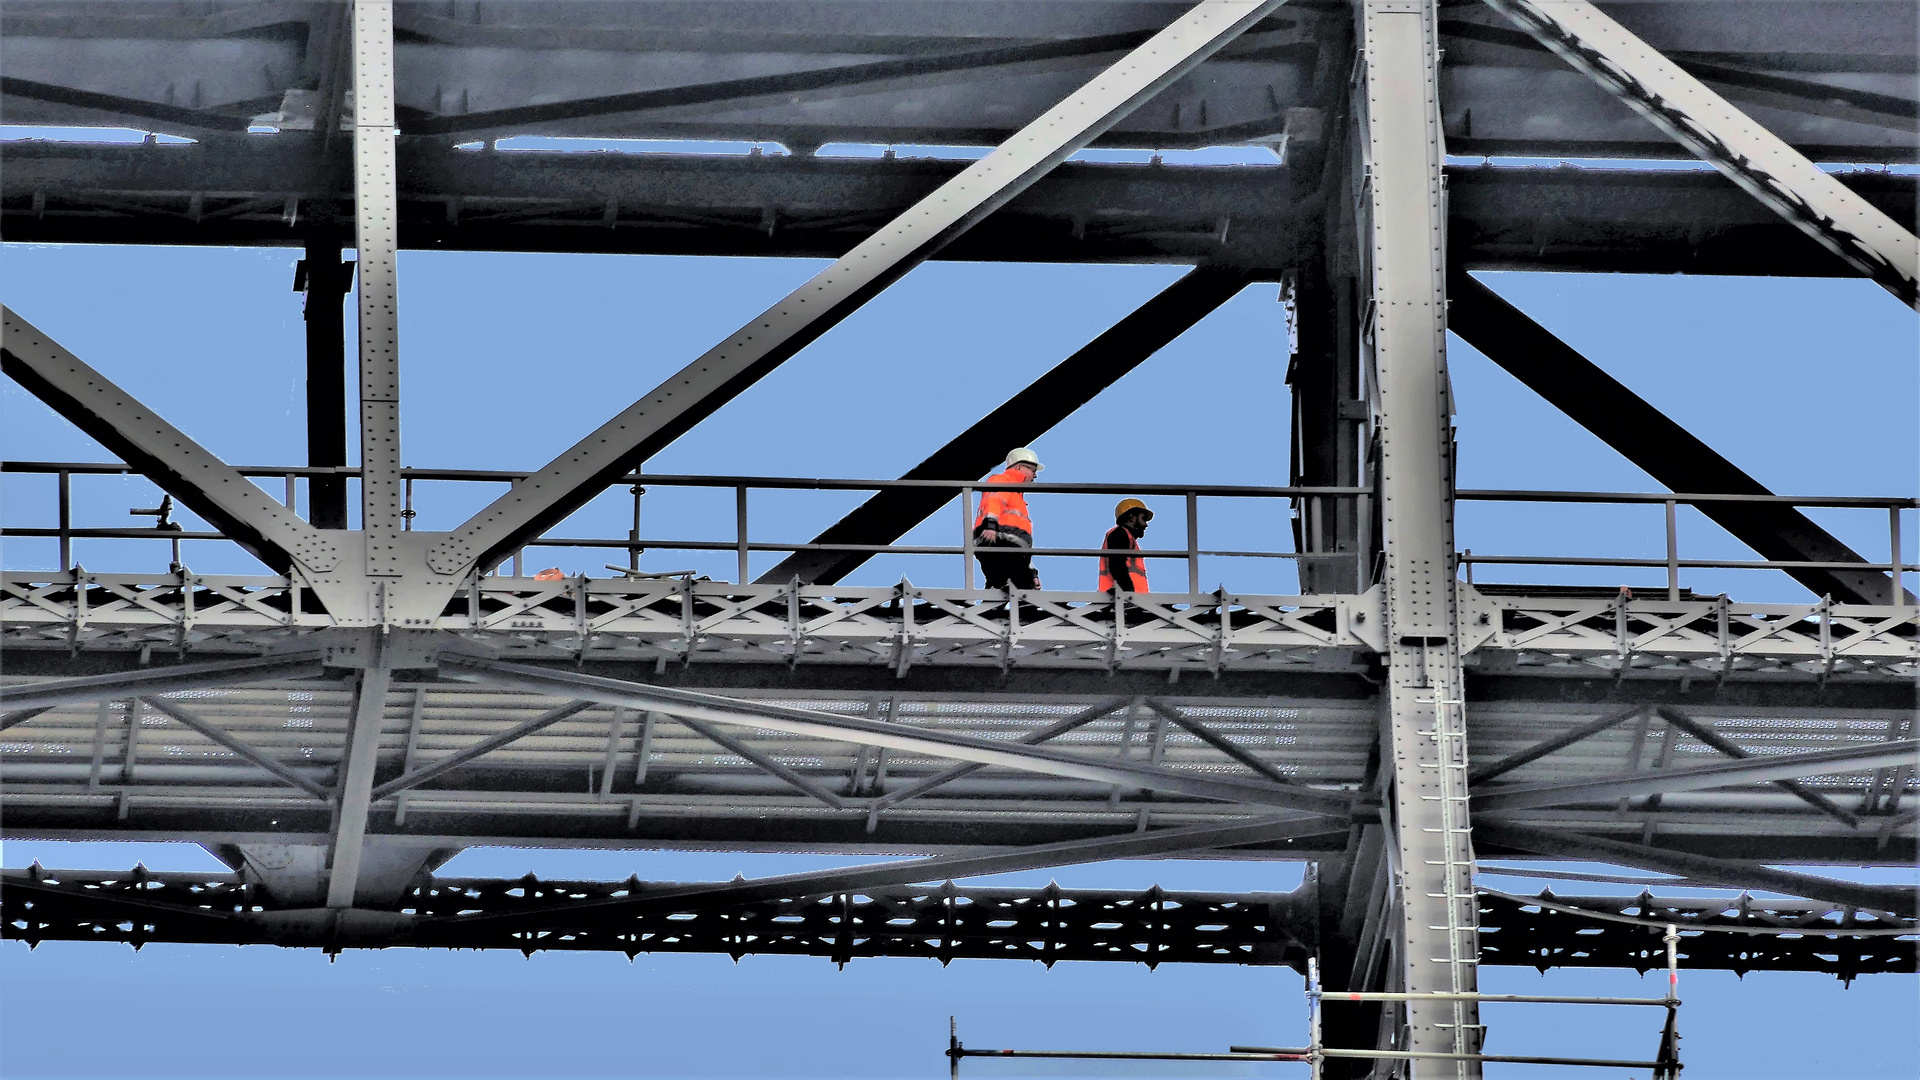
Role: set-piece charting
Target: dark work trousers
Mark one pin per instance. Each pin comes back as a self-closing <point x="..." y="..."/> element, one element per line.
<point x="1008" y="564"/>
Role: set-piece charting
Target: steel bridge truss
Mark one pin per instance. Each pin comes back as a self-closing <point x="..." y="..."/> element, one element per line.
<point x="337" y="728"/>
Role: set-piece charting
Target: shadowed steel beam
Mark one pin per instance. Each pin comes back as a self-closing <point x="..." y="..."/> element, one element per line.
<point x="1052" y="731"/>
<point x="1558" y="742"/>
<point x="21" y="717"/>
<point x="786" y="775"/>
<point x="174" y="116"/>
<point x="1700" y="777"/>
<point x="1713" y="738"/>
<point x="669" y="410"/>
<point x="1647" y="437"/>
<point x="861" y="731"/>
<point x="163" y="453"/>
<point x="1701" y="869"/>
<point x="162" y="680"/>
<point x="1760" y="162"/>
<point x="963" y="865"/>
<point x="785" y="83"/>
<point x="194" y="722"/>
<point x="488" y="745"/>
<point x="1027" y="415"/>
<point x="1212" y="738"/>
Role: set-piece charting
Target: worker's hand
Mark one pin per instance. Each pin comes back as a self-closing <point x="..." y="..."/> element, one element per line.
<point x="988" y="536"/>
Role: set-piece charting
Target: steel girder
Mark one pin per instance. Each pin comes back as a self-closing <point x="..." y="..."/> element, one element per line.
<point x="1760" y="162"/>
<point x="703" y="386"/>
<point x="1266" y="218"/>
<point x="1400" y="211"/>
<point x="942" y="922"/>
<point x="1647" y="437"/>
<point x="1051" y="398"/>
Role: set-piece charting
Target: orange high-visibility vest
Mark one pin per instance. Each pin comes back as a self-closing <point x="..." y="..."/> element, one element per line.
<point x="1136" y="566"/>
<point x="1008" y="509"/>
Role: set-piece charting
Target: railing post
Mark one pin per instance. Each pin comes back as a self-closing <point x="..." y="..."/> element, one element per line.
<point x="518" y="554"/>
<point x="1898" y="591"/>
<point x="66" y="523"/>
<point x="633" y="535"/>
<point x="740" y="528"/>
<point x="966" y="537"/>
<point x="1193" y="542"/>
<point x="1673" y="552"/>
<point x="406" y="511"/>
<point x="293" y="491"/>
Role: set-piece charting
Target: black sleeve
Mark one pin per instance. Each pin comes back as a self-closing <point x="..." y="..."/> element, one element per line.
<point x="1118" y="537"/>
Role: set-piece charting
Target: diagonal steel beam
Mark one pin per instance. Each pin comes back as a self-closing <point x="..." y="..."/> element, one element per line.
<point x="1558" y="742"/>
<point x="1647" y="437"/>
<point x="1714" y="739"/>
<point x="785" y="775"/>
<point x="347" y="841"/>
<point x="445" y="765"/>
<point x="1701" y="869"/>
<point x="963" y="865"/>
<point x="174" y="116"/>
<point x="1052" y="731"/>
<point x="1760" y="162"/>
<point x="1698" y="778"/>
<point x="580" y="473"/>
<point x="842" y="728"/>
<point x="160" y="680"/>
<point x="1213" y="738"/>
<point x="213" y="489"/>
<point x="211" y="731"/>
<point x="1024" y="417"/>
<point x="21" y="717"/>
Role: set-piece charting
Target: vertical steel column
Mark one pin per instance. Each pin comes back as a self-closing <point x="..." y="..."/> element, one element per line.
<point x="376" y="200"/>
<point x="1402" y="212"/>
<point x="327" y="279"/>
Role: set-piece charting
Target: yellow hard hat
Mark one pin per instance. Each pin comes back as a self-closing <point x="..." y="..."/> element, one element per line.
<point x="1121" y="510"/>
<point x="1021" y="455"/>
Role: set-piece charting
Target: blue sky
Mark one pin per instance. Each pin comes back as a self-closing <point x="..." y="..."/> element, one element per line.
<point x="1809" y="385"/>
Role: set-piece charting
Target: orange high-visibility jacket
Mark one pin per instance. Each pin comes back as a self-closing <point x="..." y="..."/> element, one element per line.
<point x="1008" y="509"/>
<point x="1136" y="566"/>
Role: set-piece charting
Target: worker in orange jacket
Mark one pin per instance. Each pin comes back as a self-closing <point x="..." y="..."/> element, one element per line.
<point x="1128" y="573"/>
<point x="1004" y="524"/>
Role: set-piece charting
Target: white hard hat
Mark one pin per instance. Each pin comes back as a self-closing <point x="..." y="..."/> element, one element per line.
<point x="1022" y="455"/>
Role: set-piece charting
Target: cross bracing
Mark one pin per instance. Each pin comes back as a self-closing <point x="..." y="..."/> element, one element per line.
<point x="384" y="696"/>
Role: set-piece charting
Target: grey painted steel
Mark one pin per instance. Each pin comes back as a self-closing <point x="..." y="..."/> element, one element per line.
<point x="1558" y="742"/>
<point x="1726" y="746"/>
<point x="1701" y="777"/>
<point x="347" y="843"/>
<point x="210" y="487"/>
<point x="212" y="731"/>
<point x="442" y="766"/>
<point x="376" y="220"/>
<point x="160" y="680"/>
<point x="895" y="736"/>
<point x="1402" y="209"/>
<point x="1212" y="738"/>
<point x="788" y="326"/>
<point x="939" y="779"/>
<point x="949" y="867"/>
<point x="771" y="766"/>
<point x="1700" y="869"/>
<point x="14" y="718"/>
<point x="1706" y="124"/>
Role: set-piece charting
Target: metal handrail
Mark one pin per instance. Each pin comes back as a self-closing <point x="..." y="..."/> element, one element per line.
<point x="1309" y="504"/>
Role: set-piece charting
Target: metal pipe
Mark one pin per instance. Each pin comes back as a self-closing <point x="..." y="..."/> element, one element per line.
<point x="1193" y="542"/>
<point x="1433" y="1055"/>
<point x="66" y="519"/>
<point x="1673" y="553"/>
<point x="740" y="531"/>
<point x="966" y="537"/>
<point x="1536" y="999"/>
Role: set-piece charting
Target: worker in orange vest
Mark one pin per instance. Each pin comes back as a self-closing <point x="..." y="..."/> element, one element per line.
<point x="1128" y="573"/>
<point x="1003" y="523"/>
